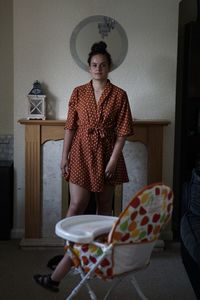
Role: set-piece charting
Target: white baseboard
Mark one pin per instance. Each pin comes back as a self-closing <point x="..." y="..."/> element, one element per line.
<point x="42" y="243"/>
<point x="17" y="233"/>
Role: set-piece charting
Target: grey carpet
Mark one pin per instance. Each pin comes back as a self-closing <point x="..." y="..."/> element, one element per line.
<point x="164" y="279"/>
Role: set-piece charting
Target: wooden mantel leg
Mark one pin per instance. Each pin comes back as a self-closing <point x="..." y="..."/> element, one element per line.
<point x="32" y="192"/>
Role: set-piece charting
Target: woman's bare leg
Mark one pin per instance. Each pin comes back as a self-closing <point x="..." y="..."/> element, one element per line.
<point x="62" y="268"/>
<point x="105" y="200"/>
<point x="79" y="198"/>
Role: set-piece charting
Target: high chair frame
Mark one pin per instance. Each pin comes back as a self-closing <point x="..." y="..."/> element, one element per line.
<point x="130" y="240"/>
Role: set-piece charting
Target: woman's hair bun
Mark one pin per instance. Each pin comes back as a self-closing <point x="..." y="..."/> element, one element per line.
<point x="100" y="46"/>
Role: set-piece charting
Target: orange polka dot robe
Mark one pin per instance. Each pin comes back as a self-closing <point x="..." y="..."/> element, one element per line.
<point x="97" y="125"/>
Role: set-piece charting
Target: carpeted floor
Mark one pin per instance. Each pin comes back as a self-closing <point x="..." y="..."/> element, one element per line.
<point x="165" y="279"/>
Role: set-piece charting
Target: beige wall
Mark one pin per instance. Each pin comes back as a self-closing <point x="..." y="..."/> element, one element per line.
<point x="42" y="30"/>
<point x="6" y="67"/>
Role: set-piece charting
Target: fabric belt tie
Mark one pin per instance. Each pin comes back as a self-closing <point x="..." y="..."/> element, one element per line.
<point x="98" y="130"/>
<point x="100" y="133"/>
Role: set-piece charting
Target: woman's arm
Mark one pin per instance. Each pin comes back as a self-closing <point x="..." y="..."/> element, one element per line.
<point x="68" y="138"/>
<point x="111" y="166"/>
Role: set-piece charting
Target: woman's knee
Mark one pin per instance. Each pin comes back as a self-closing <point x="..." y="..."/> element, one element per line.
<point x="75" y="208"/>
<point x="79" y="198"/>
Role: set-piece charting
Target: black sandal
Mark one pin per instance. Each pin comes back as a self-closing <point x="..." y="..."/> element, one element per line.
<point x="46" y="282"/>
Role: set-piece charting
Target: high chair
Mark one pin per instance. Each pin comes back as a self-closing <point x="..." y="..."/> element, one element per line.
<point x="115" y="247"/>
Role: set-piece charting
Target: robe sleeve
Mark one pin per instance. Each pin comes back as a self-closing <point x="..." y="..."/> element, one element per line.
<point x="124" y="121"/>
<point x="72" y="116"/>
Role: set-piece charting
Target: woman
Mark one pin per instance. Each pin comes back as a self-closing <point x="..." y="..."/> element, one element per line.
<point x="99" y="120"/>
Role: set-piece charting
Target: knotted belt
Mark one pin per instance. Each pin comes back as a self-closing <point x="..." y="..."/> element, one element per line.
<point x="99" y="132"/>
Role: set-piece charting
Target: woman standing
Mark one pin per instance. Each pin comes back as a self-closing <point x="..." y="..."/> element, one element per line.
<point x="98" y="122"/>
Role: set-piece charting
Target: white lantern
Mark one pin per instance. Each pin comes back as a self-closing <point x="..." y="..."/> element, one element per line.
<point x="37" y="103"/>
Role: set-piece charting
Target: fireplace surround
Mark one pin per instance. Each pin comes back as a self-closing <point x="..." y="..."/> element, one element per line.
<point x="37" y="132"/>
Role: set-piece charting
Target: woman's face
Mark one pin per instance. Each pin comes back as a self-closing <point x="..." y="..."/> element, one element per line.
<point x="99" y="67"/>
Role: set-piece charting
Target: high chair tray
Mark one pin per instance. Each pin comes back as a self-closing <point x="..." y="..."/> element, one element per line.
<point x="84" y="228"/>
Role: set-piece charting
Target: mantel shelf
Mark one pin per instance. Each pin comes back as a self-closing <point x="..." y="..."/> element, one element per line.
<point x="62" y="122"/>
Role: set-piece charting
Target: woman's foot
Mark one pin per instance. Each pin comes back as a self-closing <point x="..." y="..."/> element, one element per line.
<point x="46" y="282"/>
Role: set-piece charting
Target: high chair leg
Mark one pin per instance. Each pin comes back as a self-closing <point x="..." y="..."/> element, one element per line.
<point x="90" y="291"/>
<point x="83" y="281"/>
<point x="85" y="277"/>
<point x="115" y="282"/>
<point x="138" y="289"/>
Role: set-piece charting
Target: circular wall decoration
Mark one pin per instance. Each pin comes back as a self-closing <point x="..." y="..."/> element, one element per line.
<point x="94" y="29"/>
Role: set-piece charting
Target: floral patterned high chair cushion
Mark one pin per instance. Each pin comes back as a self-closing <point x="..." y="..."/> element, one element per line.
<point x="145" y="215"/>
<point x="139" y="223"/>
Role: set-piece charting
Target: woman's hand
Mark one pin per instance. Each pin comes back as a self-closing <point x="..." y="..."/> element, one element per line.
<point x="68" y="138"/>
<point x="64" y="167"/>
<point x="110" y="169"/>
<point x="112" y="164"/>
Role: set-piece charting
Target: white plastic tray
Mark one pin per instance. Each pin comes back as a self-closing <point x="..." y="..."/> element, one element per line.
<point x="84" y="228"/>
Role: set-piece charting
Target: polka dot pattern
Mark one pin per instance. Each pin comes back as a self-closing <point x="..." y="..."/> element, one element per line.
<point x="97" y="125"/>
